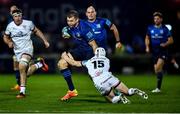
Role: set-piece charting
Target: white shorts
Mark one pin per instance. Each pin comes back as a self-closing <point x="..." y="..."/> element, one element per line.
<point x="104" y="85"/>
<point x="27" y="51"/>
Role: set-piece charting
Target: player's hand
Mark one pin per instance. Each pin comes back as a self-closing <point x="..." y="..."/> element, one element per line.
<point x="163" y="45"/>
<point x="10" y="45"/>
<point x="147" y="50"/>
<point x="63" y="55"/>
<point x="118" y="45"/>
<point x="65" y="33"/>
<point x="46" y="44"/>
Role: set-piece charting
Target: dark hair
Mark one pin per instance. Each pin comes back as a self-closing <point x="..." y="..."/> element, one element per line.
<point x="17" y="11"/>
<point x="73" y="13"/>
<point x="158" y="14"/>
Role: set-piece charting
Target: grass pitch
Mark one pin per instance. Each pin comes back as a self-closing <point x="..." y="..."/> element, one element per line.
<point x="44" y="93"/>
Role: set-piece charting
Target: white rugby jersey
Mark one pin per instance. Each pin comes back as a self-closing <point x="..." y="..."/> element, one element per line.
<point x="97" y="66"/>
<point x="20" y="35"/>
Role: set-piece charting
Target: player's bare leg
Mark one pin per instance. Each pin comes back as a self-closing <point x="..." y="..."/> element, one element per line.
<point x="115" y="99"/>
<point x="17" y="74"/>
<point x="23" y="65"/>
<point x="40" y="64"/>
<point x="124" y="89"/>
<point x="158" y="70"/>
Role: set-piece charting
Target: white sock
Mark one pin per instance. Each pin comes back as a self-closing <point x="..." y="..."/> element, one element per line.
<point x="115" y="99"/>
<point x="22" y="89"/>
<point x="131" y="91"/>
<point x="38" y="65"/>
<point x="176" y="65"/>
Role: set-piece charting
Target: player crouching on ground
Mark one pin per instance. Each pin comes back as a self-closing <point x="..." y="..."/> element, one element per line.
<point x="98" y="68"/>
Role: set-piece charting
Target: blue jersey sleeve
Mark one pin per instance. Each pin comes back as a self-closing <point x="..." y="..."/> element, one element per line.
<point x="148" y="31"/>
<point x="107" y="22"/>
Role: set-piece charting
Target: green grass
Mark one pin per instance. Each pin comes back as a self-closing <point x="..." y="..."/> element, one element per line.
<point x="44" y="92"/>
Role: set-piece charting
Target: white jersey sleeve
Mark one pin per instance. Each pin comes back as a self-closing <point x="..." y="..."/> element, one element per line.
<point x="8" y="29"/>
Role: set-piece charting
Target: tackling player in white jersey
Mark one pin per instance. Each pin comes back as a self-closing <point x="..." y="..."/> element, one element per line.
<point x="18" y="36"/>
<point x="98" y="68"/>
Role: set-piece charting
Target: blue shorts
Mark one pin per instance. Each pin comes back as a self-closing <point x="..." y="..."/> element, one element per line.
<point x="80" y="54"/>
<point x="163" y="54"/>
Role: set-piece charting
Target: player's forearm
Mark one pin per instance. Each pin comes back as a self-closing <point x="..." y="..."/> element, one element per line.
<point x="6" y="39"/>
<point x="40" y="34"/>
<point x="147" y="42"/>
<point x="116" y="33"/>
<point x="93" y="45"/>
<point x="169" y="42"/>
<point x="71" y="61"/>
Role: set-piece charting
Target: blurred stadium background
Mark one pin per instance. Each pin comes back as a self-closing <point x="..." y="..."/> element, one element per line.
<point x="131" y="18"/>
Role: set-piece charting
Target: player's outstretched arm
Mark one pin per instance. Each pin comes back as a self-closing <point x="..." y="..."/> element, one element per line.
<point x="8" y="41"/>
<point x="116" y="35"/>
<point x="70" y="60"/>
<point x="41" y="35"/>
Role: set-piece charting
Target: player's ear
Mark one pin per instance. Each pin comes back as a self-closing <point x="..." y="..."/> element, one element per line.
<point x="77" y="19"/>
<point x="86" y="14"/>
<point x="95" y="13"/>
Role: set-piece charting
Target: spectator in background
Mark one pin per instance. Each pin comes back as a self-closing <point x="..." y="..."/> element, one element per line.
<point x="158" y="38"/>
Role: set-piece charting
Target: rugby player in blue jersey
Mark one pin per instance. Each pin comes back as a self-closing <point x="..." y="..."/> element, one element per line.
<point x="82" y="38"/>
<point x="99" y="26"/>
<point x="157" y="40"/>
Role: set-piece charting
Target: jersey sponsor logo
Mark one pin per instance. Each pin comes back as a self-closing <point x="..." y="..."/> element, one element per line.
<point x="97" y="32"/>
<point x="98" y="25"/>
<point x="161" y="31"/>
<point x="152" y="31"/>
<point x="19" y="34"/>
<point x="89" y="35"/>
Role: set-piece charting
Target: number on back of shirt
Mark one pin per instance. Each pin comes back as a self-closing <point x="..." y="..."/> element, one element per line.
<point x="98" y="64"/>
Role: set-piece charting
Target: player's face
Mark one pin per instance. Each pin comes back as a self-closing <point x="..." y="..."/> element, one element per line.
<point x="157" y="20"/>
<point x="17" y="19"/>
<point x="91" y="13"/>
<point x="72" y="21"/>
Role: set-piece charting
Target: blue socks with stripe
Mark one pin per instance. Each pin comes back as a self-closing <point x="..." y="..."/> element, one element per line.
<point x="67" y="76"/>
<point x="159" y="79"/>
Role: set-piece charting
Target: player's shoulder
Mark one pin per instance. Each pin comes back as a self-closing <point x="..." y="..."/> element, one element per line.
<point x="164" y="26"/>
<point x="83" y="24"/>
<point x="10" y="24"/>
<point x="27" y="21"/>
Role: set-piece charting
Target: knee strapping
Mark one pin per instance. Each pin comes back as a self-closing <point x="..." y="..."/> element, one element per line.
<point x="24" y="61"/>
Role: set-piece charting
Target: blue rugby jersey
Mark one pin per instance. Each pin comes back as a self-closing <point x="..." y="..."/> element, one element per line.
<point x="158" y="35"/>
<point x="99" y="29"/>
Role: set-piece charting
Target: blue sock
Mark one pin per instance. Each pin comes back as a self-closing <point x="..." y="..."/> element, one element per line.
<point x="17" y="73"/>
<point x="159" y="79"/>
<point x="67" y="76"/>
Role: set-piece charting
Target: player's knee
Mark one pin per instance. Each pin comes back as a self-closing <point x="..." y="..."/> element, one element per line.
<point x="23" y="63"/>
<point x="158" y="69"/>
<point x="62" y="64"/>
